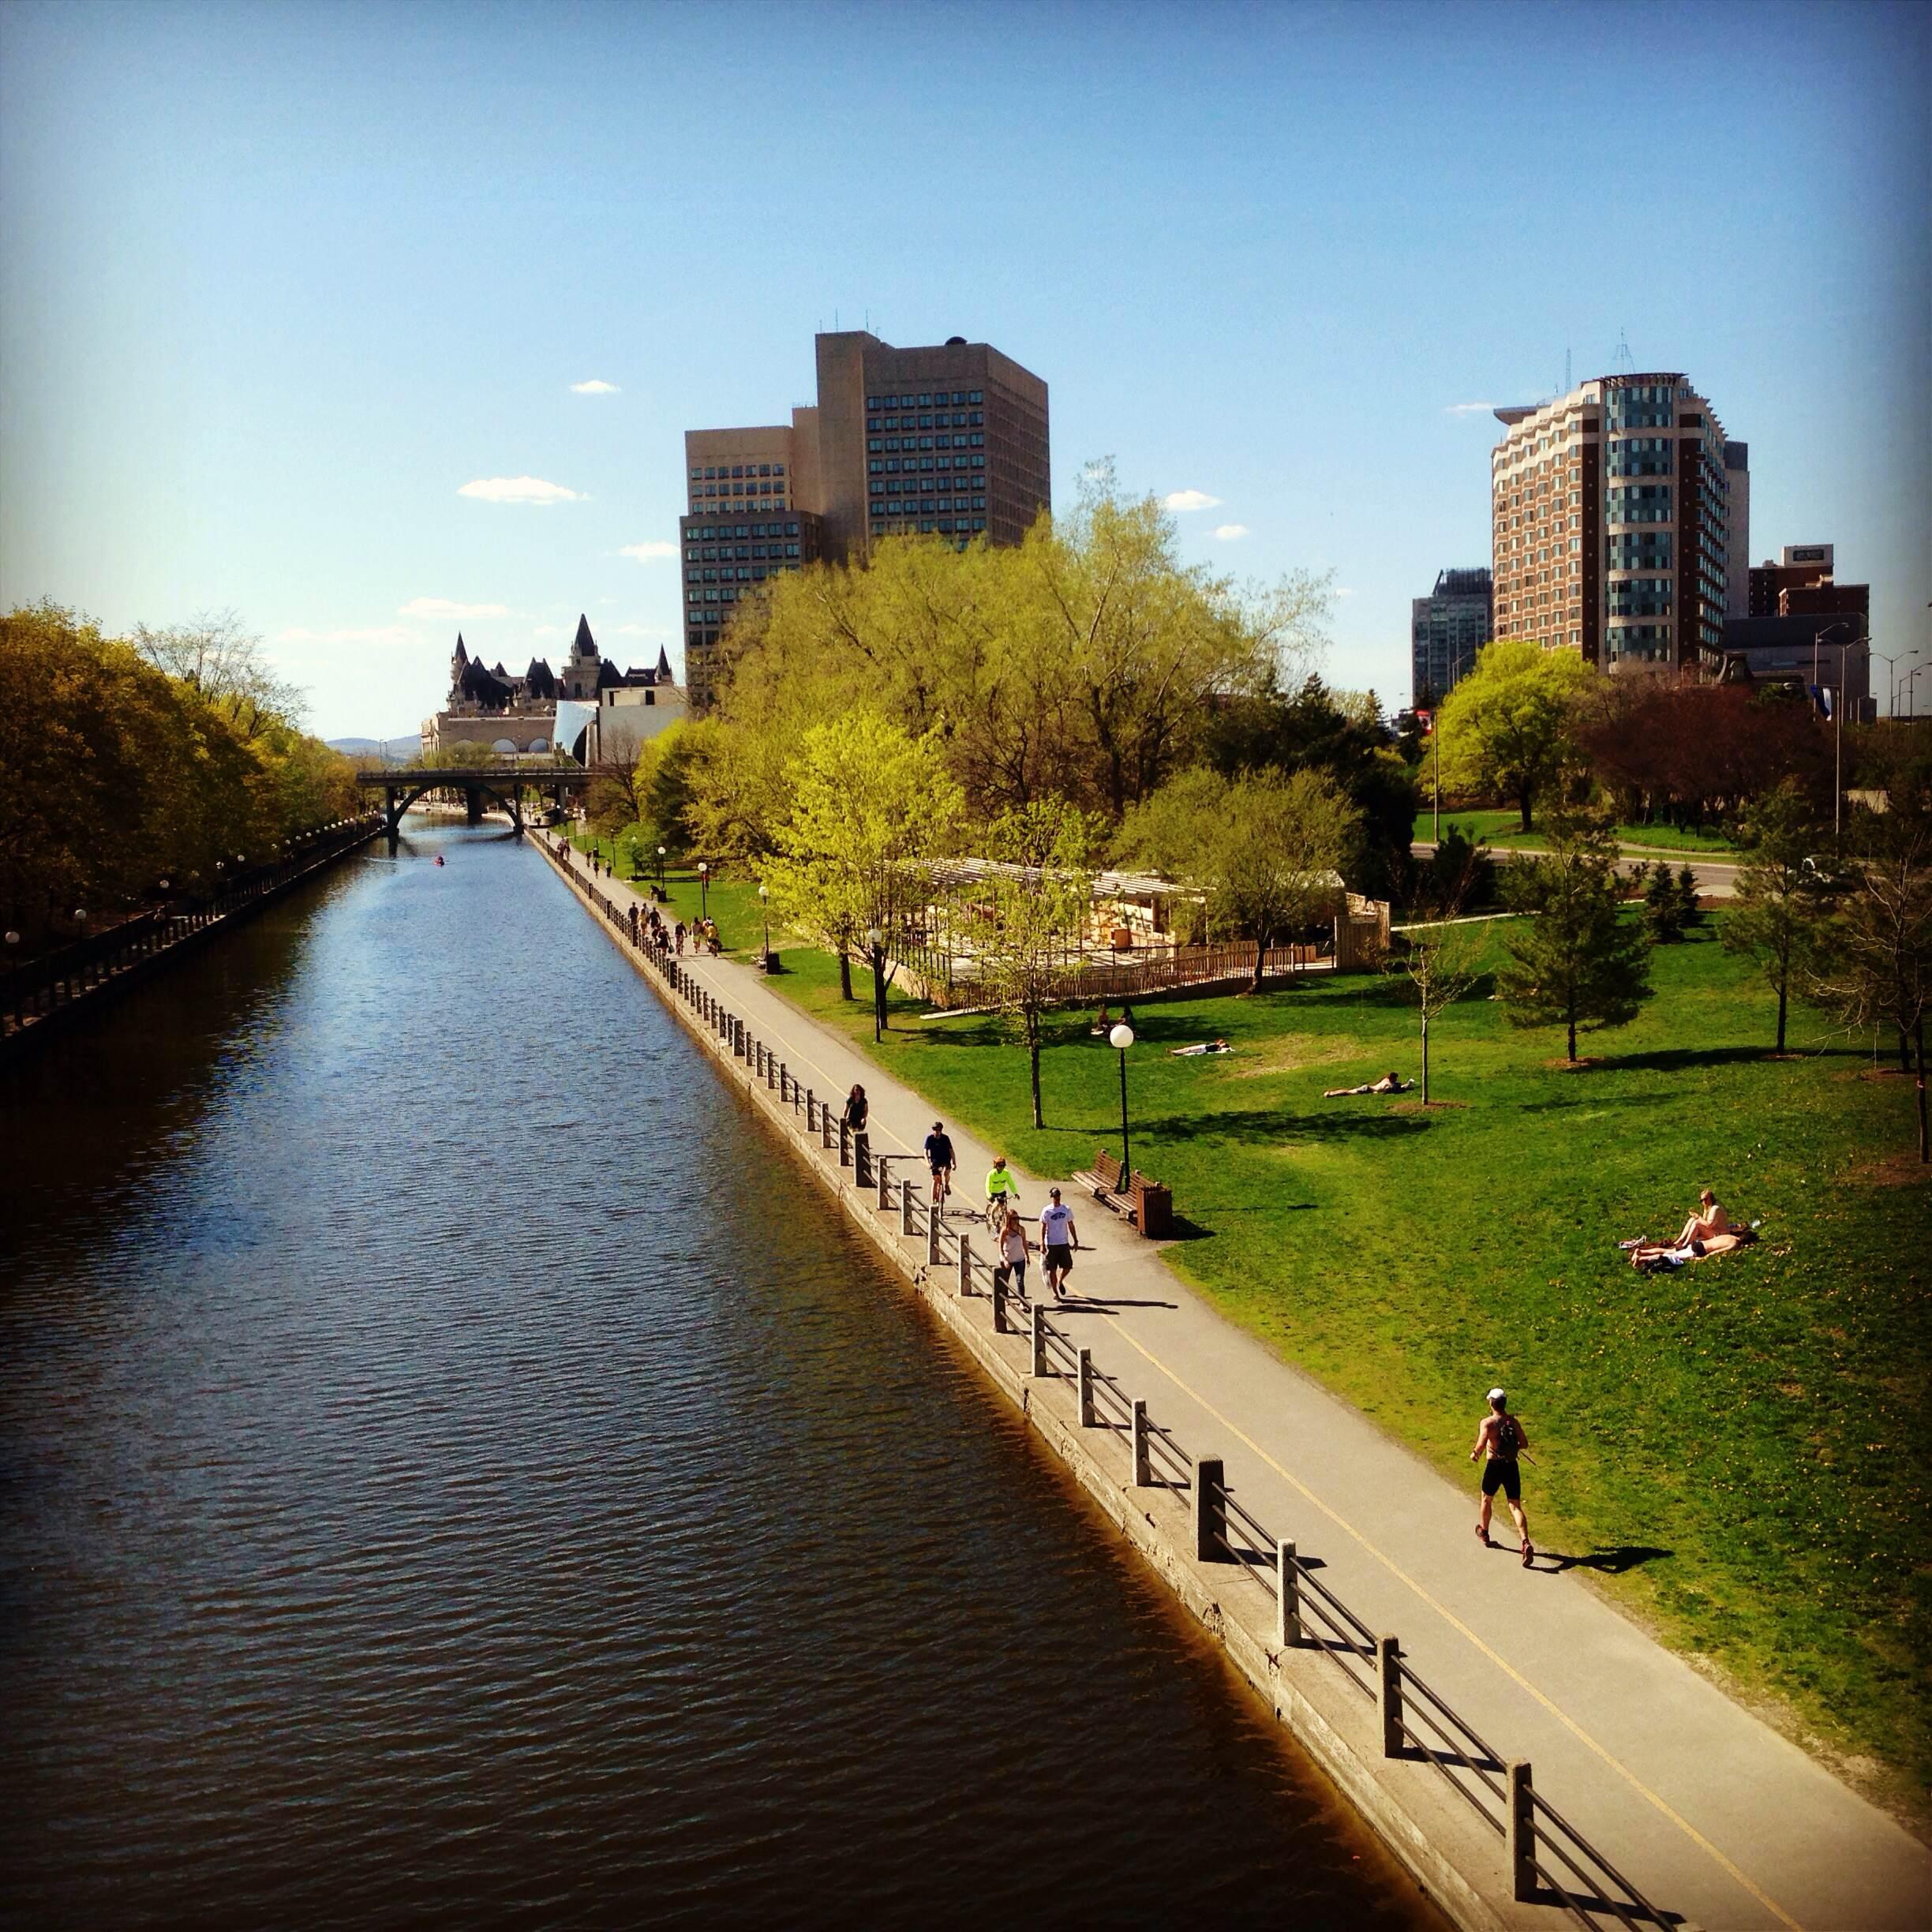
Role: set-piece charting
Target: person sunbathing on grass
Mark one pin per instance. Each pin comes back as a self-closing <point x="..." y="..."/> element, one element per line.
<point x="1388" y="1084"/>
<point x="1709" y="1219"/>
<point x="1650" y="1256"/>
<point x="1202" y="1047"/>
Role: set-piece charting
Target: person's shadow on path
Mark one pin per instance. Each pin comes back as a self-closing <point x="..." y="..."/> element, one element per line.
<point x="1612" y="1561"/>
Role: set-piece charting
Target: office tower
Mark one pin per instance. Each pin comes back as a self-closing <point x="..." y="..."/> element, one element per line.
<point x="1446" y="629"/>
<point x="949" y="440"/>
<point x="1611" y="508"/>
<point x="1803" y="628"/>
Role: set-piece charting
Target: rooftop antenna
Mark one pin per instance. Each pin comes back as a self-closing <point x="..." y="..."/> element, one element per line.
<point x="1624" y="362"/>
<point x="1565" y="388"/>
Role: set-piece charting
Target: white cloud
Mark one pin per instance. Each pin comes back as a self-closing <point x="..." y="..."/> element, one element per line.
<point x="523" y="489"/>
<point x="1191" y="500"/>
<point x="649" y="552"/>
<point x="546" y="631"/>
<point x="1229" y="533"/>
<point x="593" y="387"/>
<point x="1342" y="590"/>
<point x="1469" y="409"/>
<point x="446" y="607"/>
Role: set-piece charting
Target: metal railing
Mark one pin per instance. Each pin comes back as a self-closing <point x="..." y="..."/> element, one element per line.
<point x="38" y="989"/>
<point x="1550" y="1861"/>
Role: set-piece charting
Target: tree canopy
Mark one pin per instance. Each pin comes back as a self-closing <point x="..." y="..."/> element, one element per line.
<point x="1506" y="728"/>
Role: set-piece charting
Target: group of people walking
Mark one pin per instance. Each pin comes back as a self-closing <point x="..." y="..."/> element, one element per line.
<point x="650" y="928"/>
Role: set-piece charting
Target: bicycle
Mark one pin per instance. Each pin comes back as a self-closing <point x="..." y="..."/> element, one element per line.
<point x="996" y="1206"/>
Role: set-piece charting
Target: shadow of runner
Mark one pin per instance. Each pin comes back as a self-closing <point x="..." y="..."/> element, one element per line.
<point x="1612" y="1561"/>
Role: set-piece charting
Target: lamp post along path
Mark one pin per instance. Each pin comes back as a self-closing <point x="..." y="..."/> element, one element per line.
<point x="1122" y="1038"/>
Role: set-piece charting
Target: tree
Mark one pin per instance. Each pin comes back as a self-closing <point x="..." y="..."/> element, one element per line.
<point x="1029" y="918"/>
<point x="1505" y="729"/>
<point x="614" y="799"/>
<point x="1575" y="961"/>
<point x="1267" y="847"/>
<point x="217" y="657"/>
<point x="871" y="807"/>
<point x="1440" y="965"/>
<point x="1872" y="964"/>
<point x="1664" y="911"/>
<point x="1779" y="899"/>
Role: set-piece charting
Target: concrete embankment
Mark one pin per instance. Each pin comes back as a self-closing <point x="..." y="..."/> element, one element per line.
<point x="42" y="998"/>
<point x="1453" y="1853"/>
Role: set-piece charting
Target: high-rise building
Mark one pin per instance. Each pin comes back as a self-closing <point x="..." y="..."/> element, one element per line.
<point x="1611" y="508"/>
<point x="949" y="440"/>
<point x="1802" y="627"/>
<point x="1446" y="629"/>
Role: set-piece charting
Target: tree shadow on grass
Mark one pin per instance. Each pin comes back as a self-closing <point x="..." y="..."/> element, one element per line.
<point x="1683" y="1059"/>
<point x="1273" y="1127"/>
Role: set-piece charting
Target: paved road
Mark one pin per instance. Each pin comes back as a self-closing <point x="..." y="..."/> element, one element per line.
<point x="1716" y="878"/>
<point x="1709" y="1810"/>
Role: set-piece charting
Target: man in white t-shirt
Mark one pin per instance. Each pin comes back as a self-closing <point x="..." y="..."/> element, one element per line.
<point x="1058" y="1239"/>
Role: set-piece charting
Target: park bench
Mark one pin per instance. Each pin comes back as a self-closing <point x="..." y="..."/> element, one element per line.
<point x="1144" y="1204"/>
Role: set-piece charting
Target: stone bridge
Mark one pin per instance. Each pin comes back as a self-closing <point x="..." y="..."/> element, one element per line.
<point x="402" y="785"/>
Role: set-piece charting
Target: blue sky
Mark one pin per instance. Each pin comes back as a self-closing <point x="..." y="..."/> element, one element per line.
<point x="281" y="279"/>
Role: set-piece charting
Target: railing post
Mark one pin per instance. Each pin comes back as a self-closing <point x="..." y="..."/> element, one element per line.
<point x="862" y="1159"/>
<point x="1143" y="1447"/>
<point x="1388" y="1694"/>
<point x="933" y="1229"/>
<point x="884" y="1183"/>
<point x="1209" y="1511"/>
<point x="824" y="1127"/>
<point x="905" y="1207"/>
<point x="844" y="1142"/>
<point x="1000" y="1325"/>
<point x="1039" y="1340"/>
<point x="771" y="1071"/>
<point x="1519" y="1834"/>
<point x="1087" y="1417"/>
<point x="965" y="1264"/>
<point x="1288" y="1597"/>
<point x="811" y="1111"/>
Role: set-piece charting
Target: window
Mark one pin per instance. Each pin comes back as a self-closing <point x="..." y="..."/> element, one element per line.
<point x="877" y="444"/>
<point x="979" y="461"/>
<point x="974" y="396"/>
<point x="979" y="442"/>
<point x="976" y="419"/>
<point x="872" y="402"/>
<point x="699" y="472"/>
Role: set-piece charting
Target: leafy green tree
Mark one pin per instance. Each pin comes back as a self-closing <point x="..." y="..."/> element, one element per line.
<point x="1779" y="899"/>
<point x="1029" y="917"/>
<point x="1267" y="847"/>
<point x="1505" y="729"/>
<point x="1575" y="961"/>
<point x="871" y="808"/>
<point x="217" y="657"/>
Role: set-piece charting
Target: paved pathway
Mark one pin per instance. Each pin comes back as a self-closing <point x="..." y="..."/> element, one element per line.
<point x="1710" y="1812"/>
<point x="1716" y="878"/>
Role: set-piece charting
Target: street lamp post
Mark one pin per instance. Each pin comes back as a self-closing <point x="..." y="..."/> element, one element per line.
<point x="1123" y="1037"/>
<point x="765" y="913"/>
<point x="1891" y="665"/>
<point x="875" y="945"/>
<point x="703" y="881"/>
<point x="1844" y="645"/>
<point x="661" y="859"/>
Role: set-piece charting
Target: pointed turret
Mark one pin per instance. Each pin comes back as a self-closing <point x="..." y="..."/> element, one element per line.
<point x="583" y="645"/>
<point x="664" y="665"/>
<point x="462" y="656"/>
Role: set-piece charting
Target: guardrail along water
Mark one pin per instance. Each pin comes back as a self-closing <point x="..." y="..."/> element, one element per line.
<point x="461" y="1470"/>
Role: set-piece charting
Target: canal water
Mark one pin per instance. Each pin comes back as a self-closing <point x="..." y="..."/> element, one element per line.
<point x="457" y="1470"/>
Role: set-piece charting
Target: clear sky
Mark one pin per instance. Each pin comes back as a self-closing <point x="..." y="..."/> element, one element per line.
<point x="281" y="279"/>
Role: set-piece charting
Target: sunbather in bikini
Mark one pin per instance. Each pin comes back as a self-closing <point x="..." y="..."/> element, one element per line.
<point x="1388" y="1084"/>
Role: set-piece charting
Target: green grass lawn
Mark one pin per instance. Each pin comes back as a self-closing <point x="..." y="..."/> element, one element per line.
<point x="1504" y="828"/>
<point x="1737" y="1451"/>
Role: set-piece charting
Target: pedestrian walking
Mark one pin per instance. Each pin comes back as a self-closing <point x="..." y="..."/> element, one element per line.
<point x="680" y="938"/>
<point x="857" y="1109"/>
<point x="1014" y="1246"/>
<point x="939" y="1157"/>
<point x="1500" y="1439"/>
<point x="1058" y="1239"/>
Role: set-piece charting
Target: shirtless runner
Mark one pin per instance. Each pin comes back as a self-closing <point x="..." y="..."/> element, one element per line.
<point x="1499" y="1439"/>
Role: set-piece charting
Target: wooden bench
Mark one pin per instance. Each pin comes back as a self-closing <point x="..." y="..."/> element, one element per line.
<point x="1102" y="1180"/>
<point x="1117" y="1193"/>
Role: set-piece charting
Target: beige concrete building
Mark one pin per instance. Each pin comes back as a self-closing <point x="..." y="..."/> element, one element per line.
<point x="949" y="440"/>
<point x="1613" y="510"/>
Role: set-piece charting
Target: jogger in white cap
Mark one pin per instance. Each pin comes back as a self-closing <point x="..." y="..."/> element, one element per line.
<point x="1499" y="1439"/>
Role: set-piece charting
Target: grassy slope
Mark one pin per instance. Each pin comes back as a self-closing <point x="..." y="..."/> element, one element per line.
<point x="1736" y="1451"/>
<point x="1503" y="828"/>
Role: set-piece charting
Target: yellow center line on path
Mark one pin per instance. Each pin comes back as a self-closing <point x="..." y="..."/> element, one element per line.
<point x="1449" y="1616"/>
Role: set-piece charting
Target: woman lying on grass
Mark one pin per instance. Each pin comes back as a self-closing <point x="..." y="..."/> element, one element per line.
<point x="1651" y="1255"/>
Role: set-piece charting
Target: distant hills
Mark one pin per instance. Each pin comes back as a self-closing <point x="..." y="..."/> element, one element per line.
<point x="401" y="752"/>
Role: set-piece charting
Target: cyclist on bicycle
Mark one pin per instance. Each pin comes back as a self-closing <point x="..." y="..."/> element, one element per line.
<point x="1002" y="1192"/>
<point x="939" y="1157"/>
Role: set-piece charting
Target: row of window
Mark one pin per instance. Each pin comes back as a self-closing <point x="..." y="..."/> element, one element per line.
<point x="925" y="443"/>
<point x="969" y="419"/>
<point x="925" y="506"/>
<point x="889" y="465"/>
<point x="752" y="573"/>
<point x="925" y="401"/>
<point x="947" y="526"/>
<point x="712" y="532"/>
<point x="700" y="474"/>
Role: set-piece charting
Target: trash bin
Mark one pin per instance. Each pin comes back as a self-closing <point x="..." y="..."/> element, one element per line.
<point x="1153" y="1208"/>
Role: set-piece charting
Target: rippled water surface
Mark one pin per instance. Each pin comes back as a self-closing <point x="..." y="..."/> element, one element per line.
<point x="457" y="1469"/>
